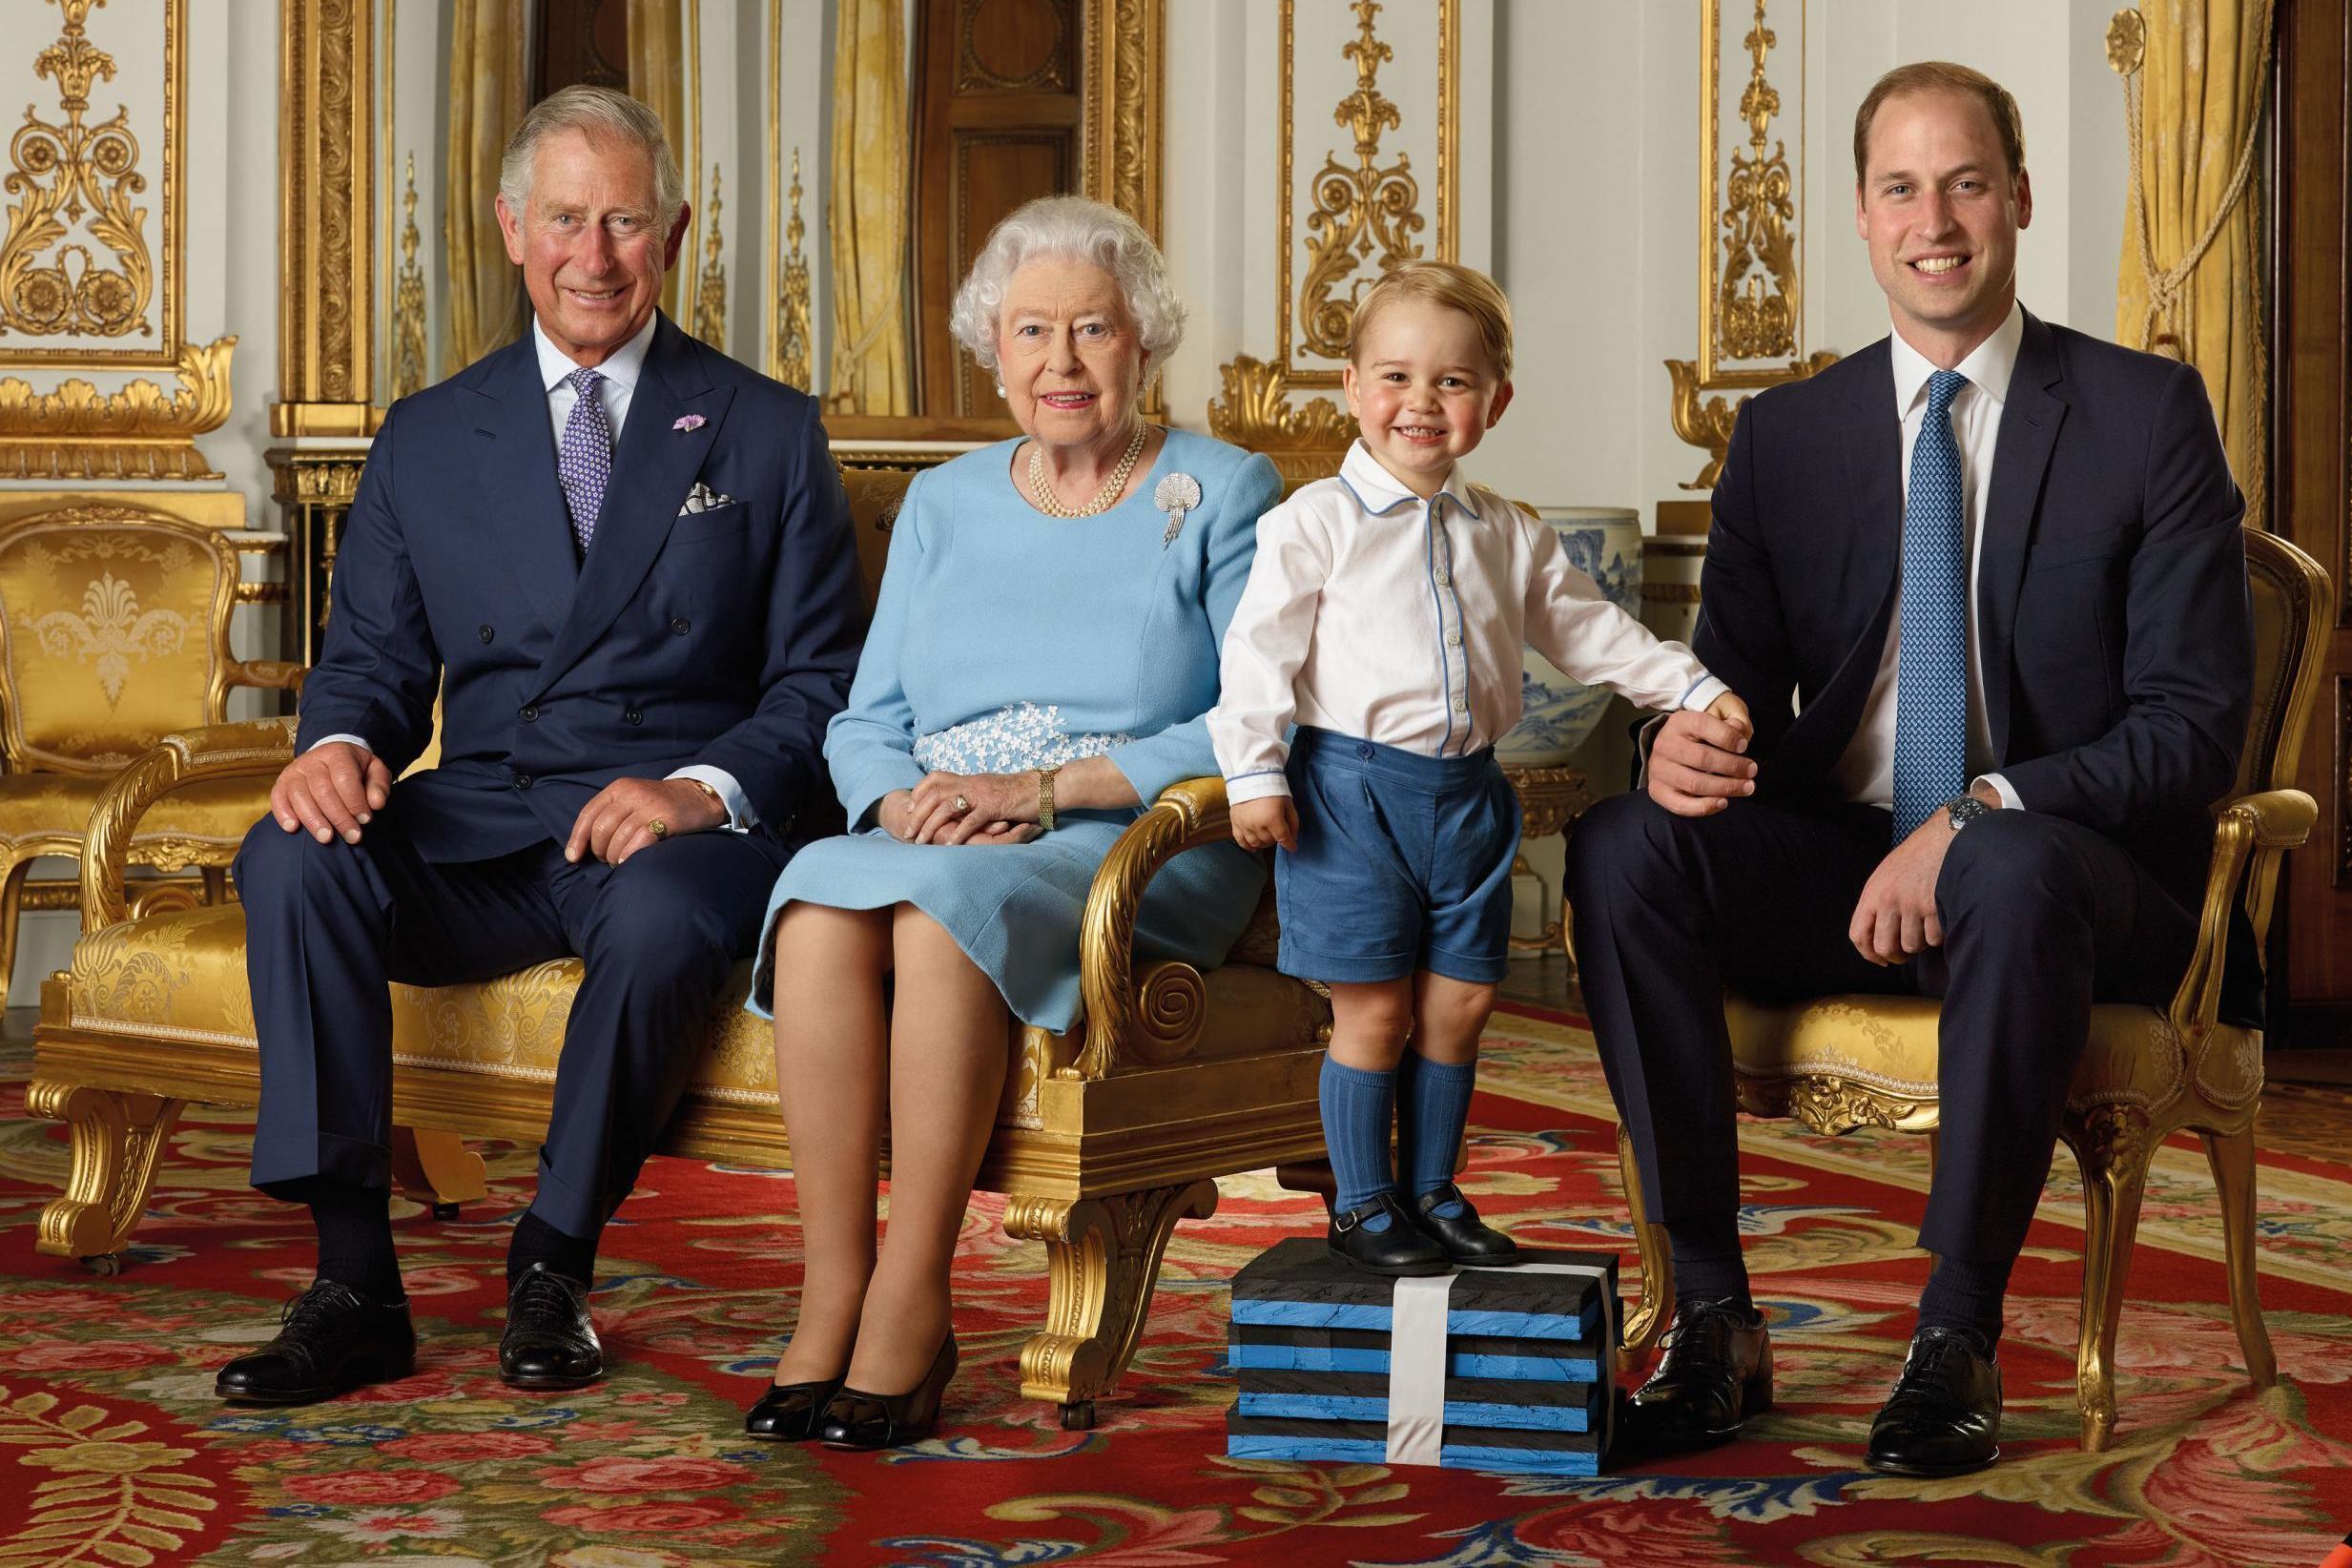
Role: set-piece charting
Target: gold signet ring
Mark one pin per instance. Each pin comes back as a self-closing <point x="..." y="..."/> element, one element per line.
<point x="658" y="828"/>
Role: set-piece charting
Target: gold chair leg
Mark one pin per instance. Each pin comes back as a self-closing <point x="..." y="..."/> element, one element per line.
<point x="438" y="1168"/>
<point x="12" y="871"/>
<point x="2112" y="1147"/>
<point x="1102" y="1256"/>
<point x="1648" y="1319"/>
<point x="2231" y="1154"/>
<point x="118" y="1141"/>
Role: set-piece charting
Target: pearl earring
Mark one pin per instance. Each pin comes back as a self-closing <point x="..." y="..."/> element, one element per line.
<point x="1000" y="389"/>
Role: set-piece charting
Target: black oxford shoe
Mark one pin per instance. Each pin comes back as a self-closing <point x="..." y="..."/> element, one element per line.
<point x="790" y="1412"/>
<point x="1943" y="1417"/>
<point x="1467" y="1239"/>
<point x="1717" y="1373"/>
<point x="549" y="1342"/>
<point x="854" y="1419"/>
<point x="334" y="1340"/>
<point x="1401" y="1247"/>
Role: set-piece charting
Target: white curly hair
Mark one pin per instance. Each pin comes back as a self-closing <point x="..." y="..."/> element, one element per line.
<point x="1075" y="228"/>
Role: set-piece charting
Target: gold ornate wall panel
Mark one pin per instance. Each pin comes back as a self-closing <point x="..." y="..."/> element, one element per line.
<point x="1124" y="117"/>
<point x="1751" y="273"/>
<point x="325" y="210"/>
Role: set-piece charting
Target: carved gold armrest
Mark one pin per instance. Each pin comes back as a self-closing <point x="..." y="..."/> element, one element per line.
<point x="257" y="748"/>
<point x="1186" y="816"/>
<point x="273" y="675"/>
<point x="2260" y="828"/>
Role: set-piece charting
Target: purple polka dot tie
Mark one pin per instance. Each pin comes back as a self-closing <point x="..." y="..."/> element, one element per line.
<point x="585" y="461"/>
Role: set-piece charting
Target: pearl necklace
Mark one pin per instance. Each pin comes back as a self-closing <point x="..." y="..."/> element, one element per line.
<point x="1042" y="491"/>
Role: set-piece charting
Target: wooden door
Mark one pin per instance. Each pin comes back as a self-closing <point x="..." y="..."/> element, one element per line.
<point x="2312" y="437"/>
<point x="998" y="100"/>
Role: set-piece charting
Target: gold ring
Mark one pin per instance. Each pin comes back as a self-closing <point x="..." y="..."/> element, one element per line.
<point x="658" y="828"/>
<point x="961" y="805"/>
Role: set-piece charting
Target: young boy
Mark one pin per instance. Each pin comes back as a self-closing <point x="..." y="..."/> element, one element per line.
<point x="1384" y="615"/>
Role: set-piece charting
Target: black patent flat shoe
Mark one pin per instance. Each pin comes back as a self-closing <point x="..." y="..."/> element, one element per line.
<point x="1402" y="1247"/>
<point x="1468" y="1240"/>
<point x="335" y="1339"/>
<point x="855" y="1419"/>
<point x="790" y="1412"/>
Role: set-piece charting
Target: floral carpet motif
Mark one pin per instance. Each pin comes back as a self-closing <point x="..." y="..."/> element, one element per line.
<point x="113" y="1452"/>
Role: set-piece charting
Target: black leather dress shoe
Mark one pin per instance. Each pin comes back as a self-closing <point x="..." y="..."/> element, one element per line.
<point x="1467" y="1239"/>
<point x="1401" y="1247"/>
<point x="1717" y="1373"/>
<point x="549" y="1342"/>
<point x="790" y="1412"/>
<point x="855" y="1419"/>
<point x="334" y="1340"/>
<point x="1943" y="1417"/>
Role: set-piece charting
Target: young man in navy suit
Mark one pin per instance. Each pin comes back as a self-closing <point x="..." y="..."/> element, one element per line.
<point x="1983" y="589"/>
<point x="622" y="563"/>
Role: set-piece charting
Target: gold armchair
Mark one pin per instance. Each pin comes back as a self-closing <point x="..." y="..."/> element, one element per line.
<point x="1839" y="1063"/>
<point x="113" y="631"/>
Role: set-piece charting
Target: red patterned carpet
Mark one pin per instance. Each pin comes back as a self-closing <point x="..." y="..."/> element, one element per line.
<point x="113" y="1452"/>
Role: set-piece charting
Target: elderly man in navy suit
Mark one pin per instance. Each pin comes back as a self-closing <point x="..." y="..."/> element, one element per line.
<point x="1983" y="589"/>
<point x="623" y="563"/>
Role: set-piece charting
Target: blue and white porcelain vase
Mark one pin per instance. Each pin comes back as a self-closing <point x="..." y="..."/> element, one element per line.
<point x="1557" y="714"/>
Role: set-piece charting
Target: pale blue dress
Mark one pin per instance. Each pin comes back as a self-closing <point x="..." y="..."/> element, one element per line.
<point x="1006" y="640"/>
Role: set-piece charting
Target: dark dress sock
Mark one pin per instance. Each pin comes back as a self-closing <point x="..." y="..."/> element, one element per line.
<point x="1965" y="1294"/>
<point x="536" y="1241"/>
<point x="354" y="1237"/>
<point x="1707" y="1265"/>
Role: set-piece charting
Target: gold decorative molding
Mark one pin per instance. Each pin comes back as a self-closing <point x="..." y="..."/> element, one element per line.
<point x="408" y="298"/>
<point x="710" y="288"/>
<point x="77" y="432"/>
<point x="75" y="181"/>
<point x="791" y="354"/>
<point x="1750" y="292"/>
<point x="1306" y="441"/>
<point x="325" y="217"/>
<point x="1120" y="151"/>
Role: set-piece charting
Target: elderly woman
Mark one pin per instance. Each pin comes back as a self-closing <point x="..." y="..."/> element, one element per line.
<point x="1041" y="658"/>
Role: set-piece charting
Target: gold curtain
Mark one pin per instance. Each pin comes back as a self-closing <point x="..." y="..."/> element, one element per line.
<point x="2191" y="279"/>
<point x="657" y="79"/>
<point x="871" y="369"/>
<point x="489" y="91"/>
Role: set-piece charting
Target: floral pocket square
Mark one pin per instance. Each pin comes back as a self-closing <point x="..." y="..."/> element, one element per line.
<point x="702" y="499"/>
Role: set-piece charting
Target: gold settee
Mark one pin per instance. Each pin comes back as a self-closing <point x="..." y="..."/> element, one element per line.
<point x="1835" y="1063"/>
<point x="1105" y="1137"/>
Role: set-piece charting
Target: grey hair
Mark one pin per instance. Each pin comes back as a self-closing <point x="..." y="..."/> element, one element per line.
<point x="598" y="113"/>
<point x="1073" y="228"/>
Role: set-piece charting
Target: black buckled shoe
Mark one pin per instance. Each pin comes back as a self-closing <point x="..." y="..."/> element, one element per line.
<point x="855" y="1419"/>
<point x="1467" y="1239"/>
<point x="548" y="1342"/>
<point x="1403" y="1248"/>
<point x="1717" y="1373"/>
<point x="334" y="1340"/>
<point x="790" y="1412"/>
<point x="1943" y="1417"/>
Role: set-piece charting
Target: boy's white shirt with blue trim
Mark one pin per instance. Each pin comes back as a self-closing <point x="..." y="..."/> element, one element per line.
<point x="1372" y="613"/>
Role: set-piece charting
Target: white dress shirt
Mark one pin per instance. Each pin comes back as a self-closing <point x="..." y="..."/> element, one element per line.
<point x="620" y="372"/>
<point x="1374" y="613"/>
<point x="1864" y="773"/>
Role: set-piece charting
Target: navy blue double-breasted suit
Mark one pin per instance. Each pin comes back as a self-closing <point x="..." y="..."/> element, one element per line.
<point x="2111" y="616"/>
<point x="721" y="638"/>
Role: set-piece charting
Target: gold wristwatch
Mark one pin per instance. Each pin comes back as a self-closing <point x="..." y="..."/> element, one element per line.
<point x="1046" y="797"/>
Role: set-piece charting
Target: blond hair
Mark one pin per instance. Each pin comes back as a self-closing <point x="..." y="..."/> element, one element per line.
<point x="1446" y="283"/>
<point x="1943" y="76"/>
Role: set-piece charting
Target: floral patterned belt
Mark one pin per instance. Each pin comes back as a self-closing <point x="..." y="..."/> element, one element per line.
<point x="1016" y="737"/>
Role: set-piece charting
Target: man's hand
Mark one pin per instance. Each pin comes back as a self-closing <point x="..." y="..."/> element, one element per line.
<point x="331" y="790"/>
<point x="618" y="822"/>
<point x="1894" y="919"/>
<point x="1696" y="769"/>
<point x="1265" y="822"/>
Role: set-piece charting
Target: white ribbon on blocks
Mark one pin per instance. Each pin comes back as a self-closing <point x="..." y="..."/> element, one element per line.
<point x="1418" y="1358"/>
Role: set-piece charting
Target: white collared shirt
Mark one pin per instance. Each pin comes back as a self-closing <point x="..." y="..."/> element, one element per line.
<point x="1374" y="613"/>
<point x="620" y="371"/>
<point x="1865" y="774"/>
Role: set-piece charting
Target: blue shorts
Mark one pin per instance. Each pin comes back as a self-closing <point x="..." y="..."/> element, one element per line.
<point x="1403" y="864"/>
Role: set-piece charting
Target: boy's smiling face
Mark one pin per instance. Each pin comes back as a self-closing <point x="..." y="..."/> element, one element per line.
<point x="1423" y="390"/>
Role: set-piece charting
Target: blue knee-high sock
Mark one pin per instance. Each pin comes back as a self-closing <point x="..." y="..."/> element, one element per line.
<point x="1356" y="1107"/>
<point x="1433" y="1106"/>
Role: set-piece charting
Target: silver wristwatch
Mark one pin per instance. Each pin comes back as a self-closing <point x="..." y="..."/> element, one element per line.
<point x="1964" y="809"/>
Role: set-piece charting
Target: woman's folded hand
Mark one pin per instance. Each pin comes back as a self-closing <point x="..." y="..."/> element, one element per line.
<point x="970" y="809"/>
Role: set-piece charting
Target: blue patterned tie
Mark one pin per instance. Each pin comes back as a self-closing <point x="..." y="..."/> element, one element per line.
<point x="585" y="461"/>
<point x="1931" y="663"/>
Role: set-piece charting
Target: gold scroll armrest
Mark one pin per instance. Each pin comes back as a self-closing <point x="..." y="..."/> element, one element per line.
<point x="2260" y="828"/>
<point x="1186" y="816"/>
<point x="255" y="748"/>
<point x="271" y="675"/>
